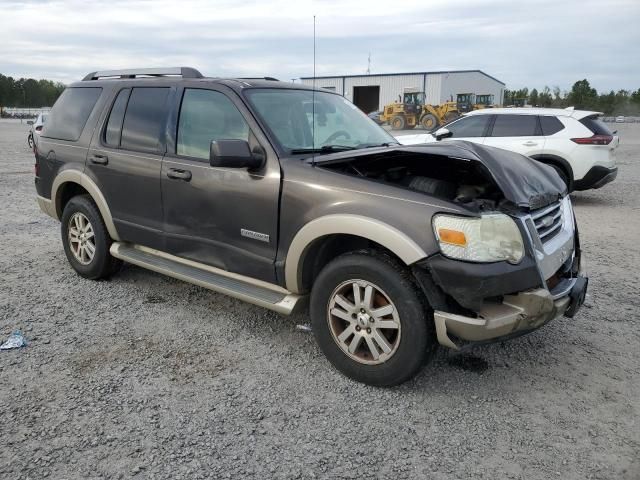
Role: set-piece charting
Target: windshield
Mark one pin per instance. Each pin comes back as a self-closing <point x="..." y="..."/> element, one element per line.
<point x="290" y="115"/>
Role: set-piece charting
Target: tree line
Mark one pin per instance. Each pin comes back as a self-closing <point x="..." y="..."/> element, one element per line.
<point x="581" y="96"/>
<point x="28" y="92"/>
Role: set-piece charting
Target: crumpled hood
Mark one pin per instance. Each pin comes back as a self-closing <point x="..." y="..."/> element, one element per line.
<point x="524" y="182"/>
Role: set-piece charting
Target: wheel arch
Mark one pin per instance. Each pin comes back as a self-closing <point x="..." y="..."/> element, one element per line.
<point x="551" y="159"/>
<point x="72" y="181"/>
<point x="326" y="237"/>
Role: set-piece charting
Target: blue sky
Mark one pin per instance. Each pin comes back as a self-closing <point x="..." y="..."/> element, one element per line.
<point x="534" y="43"/>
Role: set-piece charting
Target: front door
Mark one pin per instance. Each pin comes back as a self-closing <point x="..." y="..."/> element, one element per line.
<point x="224" y="217"/>
<point x="125" y="159"/>
<point x="472" y="128"/>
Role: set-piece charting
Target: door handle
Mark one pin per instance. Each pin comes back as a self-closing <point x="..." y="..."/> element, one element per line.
<point x="530" y="144"/>
<point x="99" y="159"/>
<point x="179" y="174"/>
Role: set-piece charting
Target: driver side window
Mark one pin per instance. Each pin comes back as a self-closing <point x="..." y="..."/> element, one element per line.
<point x="205" y="116"/>
<point x="468" y="127"/>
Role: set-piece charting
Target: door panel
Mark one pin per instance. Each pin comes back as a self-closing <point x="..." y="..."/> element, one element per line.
<point x="130" y="179"/>
<point x="517" y="133"/>
<point x="206" y="209"/>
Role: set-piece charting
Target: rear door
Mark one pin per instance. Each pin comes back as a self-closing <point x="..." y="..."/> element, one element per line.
<point x="518" y="133"/>
<point x="126" y="157"/>
<point x="224" y="217"/>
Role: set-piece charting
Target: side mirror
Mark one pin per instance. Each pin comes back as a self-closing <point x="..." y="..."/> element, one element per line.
<point x="443" y="133"/>
<point x="235" y="154"/>
<point x="29" y="122"/>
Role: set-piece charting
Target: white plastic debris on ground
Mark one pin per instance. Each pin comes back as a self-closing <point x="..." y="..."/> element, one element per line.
<point x="15" y="340"/>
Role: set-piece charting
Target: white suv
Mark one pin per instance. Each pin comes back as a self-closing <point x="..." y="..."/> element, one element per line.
<point x="576" y="143"/>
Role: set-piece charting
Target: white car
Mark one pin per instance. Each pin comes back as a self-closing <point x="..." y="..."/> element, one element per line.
<point x="36" y="128"/>
<point x="576" y="143"/>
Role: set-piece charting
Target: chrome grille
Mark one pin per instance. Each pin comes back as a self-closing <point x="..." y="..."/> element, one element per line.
<point x="548" y="221"/>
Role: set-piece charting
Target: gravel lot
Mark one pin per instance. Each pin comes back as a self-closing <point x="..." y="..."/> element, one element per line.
<point x="147" y="376"/>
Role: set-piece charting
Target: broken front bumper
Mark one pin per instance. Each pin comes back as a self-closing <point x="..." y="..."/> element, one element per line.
<point x="516" y="315"/>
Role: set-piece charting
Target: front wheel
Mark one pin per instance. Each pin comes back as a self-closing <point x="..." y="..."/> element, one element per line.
<point x="429" y="121"/>
<point x="30" y="140"/>
<point x="371" y="320"/>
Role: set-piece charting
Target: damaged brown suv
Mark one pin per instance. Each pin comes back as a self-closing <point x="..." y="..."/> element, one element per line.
<point x="274" y="193"/>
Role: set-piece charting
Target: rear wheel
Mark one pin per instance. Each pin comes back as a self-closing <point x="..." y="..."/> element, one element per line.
<point x="86" y="240"/>
<point x="370" y="319"/>
<point x="398" y="122"/>
<point x="30" y="140"/>
<point x="562" y="174"/>
<point x="429" y="121"/>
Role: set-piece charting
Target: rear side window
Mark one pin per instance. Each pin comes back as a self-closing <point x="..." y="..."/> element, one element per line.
<point x="144" y="119"/>
<point x="70" y="113"/>
<point x="205" y="116"/>
<point x="114" y="124"/>
<point x="515" y="126"/>
<point x="473" y="126"/>
<point x="550" y="125"/>
<point x="596" y="125"/>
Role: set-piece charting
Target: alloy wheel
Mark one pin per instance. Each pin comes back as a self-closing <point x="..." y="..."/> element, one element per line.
<point x="364" y="322"/>
<point x="81" y="238"/>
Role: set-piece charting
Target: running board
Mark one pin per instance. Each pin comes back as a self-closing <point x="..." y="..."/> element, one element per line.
<point x="243" y="288"/>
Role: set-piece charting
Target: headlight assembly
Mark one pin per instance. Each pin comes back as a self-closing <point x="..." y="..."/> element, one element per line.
<point x="489" y="238"/>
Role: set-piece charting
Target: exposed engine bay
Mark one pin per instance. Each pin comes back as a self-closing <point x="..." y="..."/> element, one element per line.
<point x="449" y="178"/>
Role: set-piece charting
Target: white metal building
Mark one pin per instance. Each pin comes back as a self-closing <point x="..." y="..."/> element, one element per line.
<point x="373" y="92"/>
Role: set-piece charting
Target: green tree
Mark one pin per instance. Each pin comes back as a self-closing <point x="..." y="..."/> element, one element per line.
<point x="27" y="92"/>
<point x="533" y="97"/>
<point x="544" y="98"/>
<point x="582" y="96"/>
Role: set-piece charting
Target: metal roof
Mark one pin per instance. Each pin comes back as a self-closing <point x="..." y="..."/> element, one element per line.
<point x="400" y="74"/>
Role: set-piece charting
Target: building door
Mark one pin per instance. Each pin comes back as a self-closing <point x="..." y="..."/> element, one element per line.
<point x="367" y="98"/>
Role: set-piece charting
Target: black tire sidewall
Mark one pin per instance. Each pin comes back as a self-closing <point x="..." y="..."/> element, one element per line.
<point x="100" y="266"/>
<point x="416" y="340"/>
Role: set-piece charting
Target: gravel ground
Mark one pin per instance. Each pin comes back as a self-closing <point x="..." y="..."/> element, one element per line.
<point x="147" y="376"/>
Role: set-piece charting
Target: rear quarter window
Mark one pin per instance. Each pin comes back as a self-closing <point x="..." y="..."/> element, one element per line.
<point x="70" y="113"/>
<point x="550" y="125"/>
<point x="596" y="125"/>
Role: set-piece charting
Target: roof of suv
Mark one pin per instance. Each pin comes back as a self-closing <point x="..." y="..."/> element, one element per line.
<point x="558" y="112"/>
<point x="179" y="74"/>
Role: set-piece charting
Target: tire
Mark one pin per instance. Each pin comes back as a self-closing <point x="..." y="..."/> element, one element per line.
<point x="392" y="288"/>
<point x="429" y="121"/>
<point x="562" y="174"/>
<point x="79" y="212"/>
<point x="398" y="122"/>
<point x="30" y="140"/>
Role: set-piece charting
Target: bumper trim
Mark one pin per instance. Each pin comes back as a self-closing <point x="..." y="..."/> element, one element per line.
<point x="597" y="177"/>
<point x="523" y="312"/>
<point x="46" y="205"/>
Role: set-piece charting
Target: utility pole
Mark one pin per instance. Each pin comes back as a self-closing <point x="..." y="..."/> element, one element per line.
<point x="369" y="64"/>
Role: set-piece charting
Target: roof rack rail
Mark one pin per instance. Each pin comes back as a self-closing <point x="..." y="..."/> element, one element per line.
<point x="184" y="72"/>
<point x="271" y="79"/>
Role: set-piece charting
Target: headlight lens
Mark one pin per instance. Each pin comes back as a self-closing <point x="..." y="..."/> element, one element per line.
<point x="490" y="238"/>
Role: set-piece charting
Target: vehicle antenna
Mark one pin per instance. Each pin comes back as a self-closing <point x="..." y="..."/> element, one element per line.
<point x="313" y="99"/>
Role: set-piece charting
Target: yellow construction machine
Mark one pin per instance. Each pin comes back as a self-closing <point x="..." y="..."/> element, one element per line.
<point x="412" y="110"/>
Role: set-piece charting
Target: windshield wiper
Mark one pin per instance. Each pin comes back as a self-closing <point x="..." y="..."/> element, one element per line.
<point x="324" y="149"/>
<point x="372" y="145"/>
